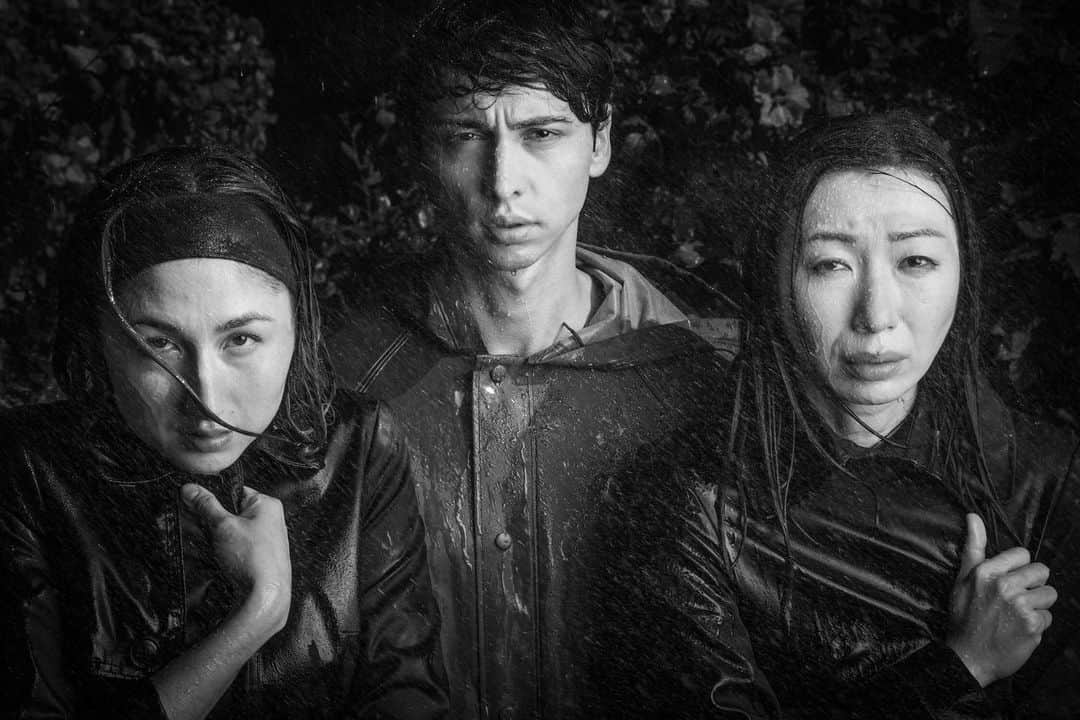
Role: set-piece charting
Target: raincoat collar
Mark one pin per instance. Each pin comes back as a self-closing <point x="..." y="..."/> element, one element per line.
<point x="630" y="304"/>
<point x="917" y="439"/>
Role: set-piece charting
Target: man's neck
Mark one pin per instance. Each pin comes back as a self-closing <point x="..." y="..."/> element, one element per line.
<point x="522" y="312"/>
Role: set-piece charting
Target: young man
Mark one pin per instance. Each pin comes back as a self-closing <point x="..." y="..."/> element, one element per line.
<point x="525" y="368"/>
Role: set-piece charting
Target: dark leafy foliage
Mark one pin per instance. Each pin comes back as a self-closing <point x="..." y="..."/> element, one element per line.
<point x="710" y="91"/>
<point x="85" y="85"/>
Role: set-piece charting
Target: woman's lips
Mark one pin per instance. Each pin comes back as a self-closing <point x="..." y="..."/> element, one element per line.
<point x="873" y="366"/>
<point x="206" y="441"/>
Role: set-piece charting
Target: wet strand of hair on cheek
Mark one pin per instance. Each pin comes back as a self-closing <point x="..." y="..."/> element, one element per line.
<point x="140" y="342"/>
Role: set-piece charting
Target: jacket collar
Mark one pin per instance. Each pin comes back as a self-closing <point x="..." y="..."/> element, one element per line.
<point x="633" y="324"/>
<point x="917" y="439"/>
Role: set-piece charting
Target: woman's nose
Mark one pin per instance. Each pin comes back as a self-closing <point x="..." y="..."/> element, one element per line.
<point x="878" y="303"/>
<point x="204" y="378"/>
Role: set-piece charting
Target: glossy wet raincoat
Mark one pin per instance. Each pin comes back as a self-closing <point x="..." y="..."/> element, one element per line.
<point x="512" y="456"/>
<point x="856" y="628"/>
<point x="103" y="578"/>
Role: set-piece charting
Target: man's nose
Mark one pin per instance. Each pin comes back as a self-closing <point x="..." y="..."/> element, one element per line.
<point x="878" y="303"/>
<point x="505" y="172"/>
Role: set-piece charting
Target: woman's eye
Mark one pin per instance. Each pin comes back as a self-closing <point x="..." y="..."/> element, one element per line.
<point x="242" y="340"/>
<point x="918" y="262"/>
<point x="826" y="267"/>
<point x="159" y="343"/>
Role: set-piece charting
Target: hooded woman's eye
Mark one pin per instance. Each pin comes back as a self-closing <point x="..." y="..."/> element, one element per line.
<point x="160" y="343"/>
<point x="242" y="342"/>
<point x="827" y="267"/>
<point x="918" y="262"/>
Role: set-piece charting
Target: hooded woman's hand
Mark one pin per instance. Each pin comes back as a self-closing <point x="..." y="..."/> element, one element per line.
<point x="252" y="547"/>
<point x="1000" y="607"/>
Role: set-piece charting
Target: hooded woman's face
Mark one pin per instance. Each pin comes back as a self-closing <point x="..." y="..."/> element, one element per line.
<point x="874" y="285"/>
<point x="227" y="328"/>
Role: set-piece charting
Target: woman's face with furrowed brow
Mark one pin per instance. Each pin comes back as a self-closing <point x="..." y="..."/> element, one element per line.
<point x="872" y="286"/>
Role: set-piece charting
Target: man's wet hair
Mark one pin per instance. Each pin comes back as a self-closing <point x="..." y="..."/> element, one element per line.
<point x="462" y="47"/>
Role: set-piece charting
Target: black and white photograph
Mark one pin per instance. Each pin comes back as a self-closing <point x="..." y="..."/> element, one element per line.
<point x="540" y="359"/>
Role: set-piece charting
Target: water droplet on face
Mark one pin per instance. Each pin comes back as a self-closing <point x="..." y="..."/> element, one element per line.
<point x="513" y="273"/>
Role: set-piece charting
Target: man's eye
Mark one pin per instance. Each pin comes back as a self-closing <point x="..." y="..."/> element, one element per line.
<point x="541" y="134"/>
<point x="463" y="136"/>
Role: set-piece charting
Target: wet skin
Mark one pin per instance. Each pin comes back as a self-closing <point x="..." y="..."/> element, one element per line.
<point x="514" y="169"/>
<point x="226" y="328"/>
<point x="874" y="288"/>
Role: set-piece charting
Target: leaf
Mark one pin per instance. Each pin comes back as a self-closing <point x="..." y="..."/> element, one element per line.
<point x="688" y="255"/>
<point x="1032" y="229"/>
<point x="348" y="151"/>
<point x="1067" y="243"/>
<point x="385" y="118"/>
<point x="762" y="26"/>
<point x="84" y="58"/>
<point x="660" y="85"/>
<point x="147" y="41"/>
<point x="753" y="54"/>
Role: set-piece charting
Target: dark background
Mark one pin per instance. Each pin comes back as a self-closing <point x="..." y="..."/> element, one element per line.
<point x="709" y="92"/>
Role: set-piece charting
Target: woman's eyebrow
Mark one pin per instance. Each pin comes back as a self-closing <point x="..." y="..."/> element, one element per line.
<point x="156" y="323"/>
<point x="828" y="236"/>
<point x="825" y="236"/>
<point x="243" y="320"/>
<point x="232" y="324"/>
<point x="921" y="232"/>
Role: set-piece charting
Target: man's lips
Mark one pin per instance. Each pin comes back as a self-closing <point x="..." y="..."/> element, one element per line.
<point x="510" y="229"/>
<point x="508" y="222"/>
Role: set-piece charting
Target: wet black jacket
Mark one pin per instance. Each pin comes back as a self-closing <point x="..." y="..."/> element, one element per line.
<point x="858" y="628"/>
<point x="512" y="456"/>
<point x="103" y="580"/>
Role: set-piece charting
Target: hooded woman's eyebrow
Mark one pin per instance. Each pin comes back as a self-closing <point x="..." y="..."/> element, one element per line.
<point x="921" y="232"/>
<point x="243" y="320"/>
<point x="831" y="237"/>
<point x="230" y="324"/>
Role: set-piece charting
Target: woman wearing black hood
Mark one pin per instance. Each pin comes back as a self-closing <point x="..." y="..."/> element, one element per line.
<point x="202" y="529"/>
<point x="873" y="533"/>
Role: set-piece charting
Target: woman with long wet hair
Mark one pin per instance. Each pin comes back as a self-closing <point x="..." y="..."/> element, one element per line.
<point x="203" y="528"/>
<point x="873" y="533"/>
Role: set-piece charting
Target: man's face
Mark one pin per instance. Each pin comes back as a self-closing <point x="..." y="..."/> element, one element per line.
<point x="513" y="170"/>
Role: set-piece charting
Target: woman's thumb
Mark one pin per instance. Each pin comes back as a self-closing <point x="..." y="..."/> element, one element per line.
<point x="203" y="503"/>
<point x="974" y="551"/>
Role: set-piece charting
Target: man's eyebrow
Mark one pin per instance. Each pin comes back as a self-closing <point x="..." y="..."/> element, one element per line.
<point x="532" y="122"/>
<point x="539" y="122"/>
<point x="466" y="122"/>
